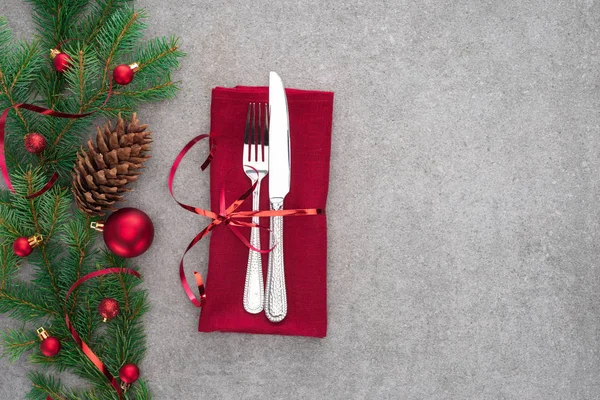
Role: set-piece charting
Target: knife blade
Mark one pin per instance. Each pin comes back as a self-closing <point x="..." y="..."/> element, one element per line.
<point x="279" y="187"/>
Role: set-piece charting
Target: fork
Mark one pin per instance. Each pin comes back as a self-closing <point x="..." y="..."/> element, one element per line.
<point x="256" y="166"/>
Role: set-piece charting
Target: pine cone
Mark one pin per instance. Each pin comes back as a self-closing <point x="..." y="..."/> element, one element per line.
<point x="103" y="171"/>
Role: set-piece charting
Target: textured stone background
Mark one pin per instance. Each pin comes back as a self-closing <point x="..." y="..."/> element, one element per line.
<point x="463" y="211"/>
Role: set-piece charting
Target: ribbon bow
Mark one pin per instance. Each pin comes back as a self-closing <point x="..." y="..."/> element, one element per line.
<point x="228" y="216"/>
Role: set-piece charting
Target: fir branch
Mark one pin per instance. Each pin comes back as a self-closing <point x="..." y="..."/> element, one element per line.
<point x="24" y="303"/>
<point x="5" y="36"/>
<point x="162" y="91"/>
<point x="53" y="210"/>
<point x="17" y="341"/>
<point x="5" y="40"/>
<point x="27" y="61"/>
<point x="5" y="199"/>
<point x="8" y="224"/>
<point x="120" y="34"/>
<point x="83" y="76"/>
<point x="47" y="385"/>
<point x="78" y="238"/>
<point x="53" y="17"/>
<point x="101" y="11"/>
<point x="141" y="390"/>
<point x="159" y="55"/>
<point x="71" y="123"/>
<point x="8" y="268"/>
<point x="30" y="177"/>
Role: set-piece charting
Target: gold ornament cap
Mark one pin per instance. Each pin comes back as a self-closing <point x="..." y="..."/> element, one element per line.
<point x="35" y="240"/>
<point x="125" y="386"/>
<point x="135" y="67"/>
<point x="54" y="53"/>
<point x="99" y="226"/>
<point x="42" y="333"/>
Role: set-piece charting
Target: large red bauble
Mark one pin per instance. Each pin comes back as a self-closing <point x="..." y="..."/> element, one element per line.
<point x="50" y="346"/>
<point x="21" y="247"/>
<point x="128" y="232"/>
<point x="123" y="74"/>
<point x="129" y="373"/>
<point x="35" y="142"/>
<point x="62" y="62"/>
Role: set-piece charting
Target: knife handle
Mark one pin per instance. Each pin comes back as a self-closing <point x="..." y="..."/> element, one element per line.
<point x="254" y="286"/>
<point x="276" y="296"/>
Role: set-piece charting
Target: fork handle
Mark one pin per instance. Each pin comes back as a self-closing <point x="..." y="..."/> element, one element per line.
<point x="254" y="286"/>
<point x="276" y="296"/>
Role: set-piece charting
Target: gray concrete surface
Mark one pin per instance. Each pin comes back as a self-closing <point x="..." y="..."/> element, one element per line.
<point x="464" y="212"/>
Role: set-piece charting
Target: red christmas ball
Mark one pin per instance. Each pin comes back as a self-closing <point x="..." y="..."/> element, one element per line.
<point x="129" y="373"/>
<point x="128" y="232"/>
<point x="50" y="346"/>
<point x="123" y="74"/>
<point x="62" y="62"/>
<point x="21" y="247"/>
<point x="108" y="308"/>
<point x="35" y="142"/>
<point x="48" y="398"/>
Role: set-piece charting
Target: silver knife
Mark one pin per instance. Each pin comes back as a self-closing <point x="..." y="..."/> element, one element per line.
<point x="279" y="186"/>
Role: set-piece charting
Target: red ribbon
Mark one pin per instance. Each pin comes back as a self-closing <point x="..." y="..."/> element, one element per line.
<point x="46" y="187"/>
<point x="84" y="347"/>
<point x="226" y="216"/>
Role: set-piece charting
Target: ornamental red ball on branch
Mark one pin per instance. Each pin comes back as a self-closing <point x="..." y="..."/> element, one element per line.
<point x="50" y="345"/>
<point x="128" y="232"/>
<point x="123" y="74"/>
<point x="108" y="309"/>
<point x="61" y="60"/>
<point x="35" y="142"/>
<point x="23" y="246"/>
<point x="129" y="373"/>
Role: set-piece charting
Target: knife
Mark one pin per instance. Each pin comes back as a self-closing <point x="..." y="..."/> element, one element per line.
<point x="279" y="187"/>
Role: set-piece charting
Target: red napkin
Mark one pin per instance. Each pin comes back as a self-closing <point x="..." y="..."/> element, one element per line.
<point x="305" y="237"/>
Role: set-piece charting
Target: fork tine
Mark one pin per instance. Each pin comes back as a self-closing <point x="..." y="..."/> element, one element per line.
<point x="260" y="125"/>
<point x="266" y="130"/>
<point x="255" y="132"/>
<point x="247" y="130"/>
<point x="267" y="115"/>
<point x="259" y="133"/>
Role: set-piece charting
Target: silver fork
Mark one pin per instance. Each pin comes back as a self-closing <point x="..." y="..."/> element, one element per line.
<point x="256" y="167"/>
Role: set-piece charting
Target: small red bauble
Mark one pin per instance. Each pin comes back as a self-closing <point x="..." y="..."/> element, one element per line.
<point x="35" y="142"/>
<point x="61" y="61"/>
<point x="129" y="373"/>
<point x="108" y="308"/>
<point x="128" y="232"/>
<point x="123" y="74"/>
<point x="23" y="246"/>
<point x="50" y="345"/>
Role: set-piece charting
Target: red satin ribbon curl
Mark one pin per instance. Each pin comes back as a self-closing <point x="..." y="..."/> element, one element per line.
<point x="226" y="216"/>
<point x="84" y="347"/>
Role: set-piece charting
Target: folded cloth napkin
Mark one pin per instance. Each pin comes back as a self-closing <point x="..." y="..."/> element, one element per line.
<point x="305" y="237"/>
